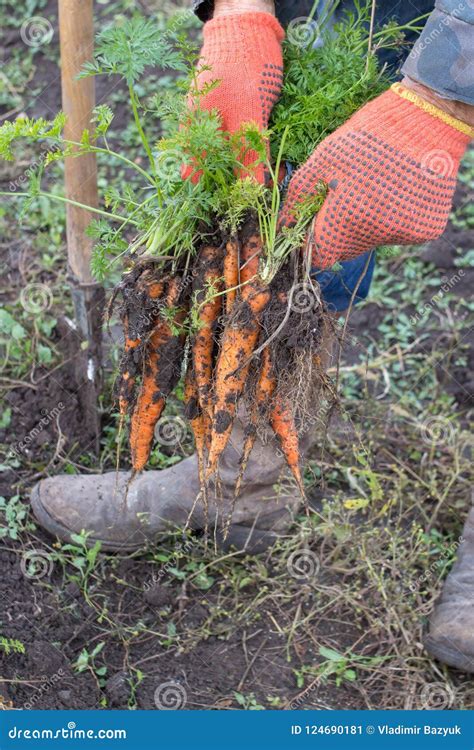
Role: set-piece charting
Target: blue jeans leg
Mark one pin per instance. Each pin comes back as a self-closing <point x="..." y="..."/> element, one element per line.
<point x="337" y="287"/>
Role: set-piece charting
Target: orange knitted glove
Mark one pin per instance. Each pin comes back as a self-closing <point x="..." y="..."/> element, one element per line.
<point x="243" y="52"/>
<point x="391" y="174"/>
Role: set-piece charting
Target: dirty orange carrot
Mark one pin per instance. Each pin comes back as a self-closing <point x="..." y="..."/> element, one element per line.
<point x="250" y="257"/>
<point x="127" y="381"/>
<point x="200" y="424"/>
<point x="153" y="290"/>
<point x="209" y="310"/>
<point x="239" y="341"/>
<point x="199" y="421"/>
<point x="154" y="389"/>
<point x="150" y="402"/>
<point x="231" y="272"/>
<point x="263" y="392"/>
<point x="283" y="424"/>
<point x="266" y="381"/>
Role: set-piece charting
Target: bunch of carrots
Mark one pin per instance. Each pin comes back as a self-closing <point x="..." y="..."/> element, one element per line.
<point x="211" y="325"/>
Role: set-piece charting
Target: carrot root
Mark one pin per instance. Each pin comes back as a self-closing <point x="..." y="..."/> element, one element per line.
<point x="283" y="424"/>
<point x="158" y="379"/>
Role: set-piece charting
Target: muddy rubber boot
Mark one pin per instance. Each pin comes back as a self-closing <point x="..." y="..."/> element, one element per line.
<point x="451" y="635"/>
<point x="159" y="501"/>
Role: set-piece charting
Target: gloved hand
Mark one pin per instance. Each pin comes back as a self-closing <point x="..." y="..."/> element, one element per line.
<point x="391" y="173"/>
<point x="243" y="52"/>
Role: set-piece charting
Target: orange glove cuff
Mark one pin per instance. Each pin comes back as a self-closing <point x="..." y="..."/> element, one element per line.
<point x="410" y="131"/>
<point x="257" y="37"/>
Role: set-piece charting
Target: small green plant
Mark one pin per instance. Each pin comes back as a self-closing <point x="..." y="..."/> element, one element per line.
<point x="178" y="563"/>
<point x="11" y="645"/>
<point x="463" y="218"/>
<point x="86" y="661"/>
<point x="248" y="702"/>
<point x="172" y="636"/>
<point x="15" y="514"/>
<point x="5" y="418"/>
<point x="25" y="337"/>
<point x="338" y="666"/>
<point x="134" y="681"/>
<point x="274" y="701"/>
<point x="83" y="557"/>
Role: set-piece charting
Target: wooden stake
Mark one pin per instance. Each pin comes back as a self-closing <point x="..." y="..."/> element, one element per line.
<point x="76" y="29"/>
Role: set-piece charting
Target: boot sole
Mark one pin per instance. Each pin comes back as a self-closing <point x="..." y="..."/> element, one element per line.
<point x="449" y="655"/>
<point x="245" y="539"/>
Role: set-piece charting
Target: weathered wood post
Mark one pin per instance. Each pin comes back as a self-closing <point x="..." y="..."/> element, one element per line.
<point x="76" y="30"/>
